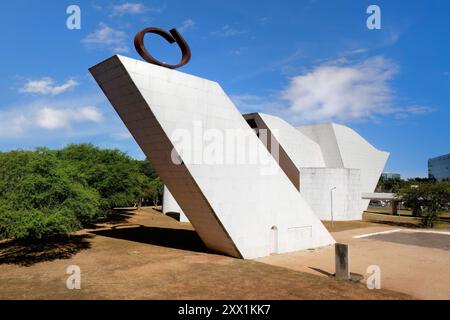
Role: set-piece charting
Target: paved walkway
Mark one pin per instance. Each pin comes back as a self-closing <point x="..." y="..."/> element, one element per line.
<point x="413" y="262"/>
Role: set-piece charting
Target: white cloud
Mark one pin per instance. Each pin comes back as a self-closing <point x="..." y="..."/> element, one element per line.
<point x="128" y="8"/>
<point x="46" y="86"/>
<point x="336" y="92"/>
<point x="134" y="8"/>
<point x="187" y="25"/>
<point x="354" y="52"/>
<point x="108" y="38"/>
<point x="25" y="120"/>
<point x="53" y="118"/>
<point x="125" y="135"/>
<point x="237" y="52"/>
<point x="391" y="38"/>
<point x="226" y="32"/>
<point x="341" y="93"/>
<point x="264" y="20"/>
<point x="12" y="123"/>
<point x="403" y="113"/>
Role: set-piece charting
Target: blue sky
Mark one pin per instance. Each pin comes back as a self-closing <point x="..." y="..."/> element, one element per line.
<point x="307" y="61"/>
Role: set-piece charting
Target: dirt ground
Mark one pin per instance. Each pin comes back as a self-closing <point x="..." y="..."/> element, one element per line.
<point x="146" y="255"/>
<point x="410" y="260"/>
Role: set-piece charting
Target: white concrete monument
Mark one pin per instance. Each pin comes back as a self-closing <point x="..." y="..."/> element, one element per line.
<point x="331" y="165"/>
<point x="239" y="207"/>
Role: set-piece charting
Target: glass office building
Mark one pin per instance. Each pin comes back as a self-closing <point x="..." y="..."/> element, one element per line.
<point x="391" y="175"/>
<point x="439" y="167"/>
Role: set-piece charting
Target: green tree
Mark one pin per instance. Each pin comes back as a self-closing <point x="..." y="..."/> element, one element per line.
<point x="154" y="191"/>
<point x="116" y="176"/>
<point x="389" y="184"/>
<point x="426" y="199"/>
<point x="39" y="198"/>
<point x="147" y="169"/>
<point x="45" y="193"/>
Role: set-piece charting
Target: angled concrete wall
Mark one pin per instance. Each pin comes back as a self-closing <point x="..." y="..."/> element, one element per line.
<point x="236" y="209"/>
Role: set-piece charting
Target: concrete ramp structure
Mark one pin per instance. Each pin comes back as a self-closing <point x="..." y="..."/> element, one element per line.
<point x="241" y="208"/>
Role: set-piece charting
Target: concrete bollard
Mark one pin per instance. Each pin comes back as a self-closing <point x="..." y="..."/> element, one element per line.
<point x="341" y="255"/>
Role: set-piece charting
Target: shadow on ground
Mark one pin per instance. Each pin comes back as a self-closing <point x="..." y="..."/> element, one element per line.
<point x="163" y="237"/>
<point x="116" y="216"/>
<point x="174" y="215"/>
<point x="27" y="253"/>
<point x="326" y="273"/>
<point x="355" y="277"/>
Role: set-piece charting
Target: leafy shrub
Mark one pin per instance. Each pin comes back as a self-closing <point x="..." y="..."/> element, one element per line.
<point x="45" y="193"/>
<point x="117" y="177"/>
<point x="36" y="224"/>
<point x="426" y="199"/>
<point x="37" y="198"/>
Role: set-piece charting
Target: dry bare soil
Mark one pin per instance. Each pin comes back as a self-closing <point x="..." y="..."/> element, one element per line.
<point x="146" y="255"/>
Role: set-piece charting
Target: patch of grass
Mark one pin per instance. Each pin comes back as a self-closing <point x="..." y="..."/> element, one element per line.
<point x="400" y="221"/>
<point x="402" y="212"/>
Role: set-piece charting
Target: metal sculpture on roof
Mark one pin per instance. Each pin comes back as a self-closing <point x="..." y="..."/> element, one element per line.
<point x="173" y="36"/>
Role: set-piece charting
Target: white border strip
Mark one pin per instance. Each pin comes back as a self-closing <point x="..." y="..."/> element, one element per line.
<point x="427" y="231"/>
<point x="400" y="230"/>
<point x="375" y="233"/>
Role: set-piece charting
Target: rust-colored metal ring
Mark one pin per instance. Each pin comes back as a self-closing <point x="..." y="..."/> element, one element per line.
<point x="171" y="37"/>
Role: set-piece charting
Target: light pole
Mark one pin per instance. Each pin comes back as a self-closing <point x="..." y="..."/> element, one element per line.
<point x="331" y="206"/>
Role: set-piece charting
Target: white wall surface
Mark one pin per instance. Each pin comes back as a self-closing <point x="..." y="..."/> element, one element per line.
<point x="233" y="207"/>
<point x="356" y="152"/>
<point x="170" y="206"/>
<point x="323" y="134"/>
<point x="316" y="185"/>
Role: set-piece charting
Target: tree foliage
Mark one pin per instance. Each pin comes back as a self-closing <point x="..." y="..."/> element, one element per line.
<point x="155" y="191"/>
<point x="426" y="199"/>
<point x="45" y="192"/>
<point x="117" y="177"/>
<point x="389" y="184"/>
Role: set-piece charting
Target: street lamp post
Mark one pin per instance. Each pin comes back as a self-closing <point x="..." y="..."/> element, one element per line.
<point x="331" y="206"/>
